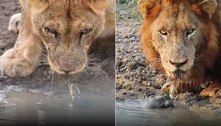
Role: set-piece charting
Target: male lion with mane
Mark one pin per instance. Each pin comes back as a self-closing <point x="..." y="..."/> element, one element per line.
<point x="65" y="28"/>
<point x="182" y="38"/>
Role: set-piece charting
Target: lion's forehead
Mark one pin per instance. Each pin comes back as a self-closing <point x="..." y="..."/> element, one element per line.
<point x="180" y="20"/>
<point x="64" y="7"/>
<point x="77" y="5"/>
<point x="74" y="10"/>
<point x="76" y="17"/>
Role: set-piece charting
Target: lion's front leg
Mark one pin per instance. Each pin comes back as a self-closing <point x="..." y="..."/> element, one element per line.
<point x="213" y="90"/>
<point x="170" y="88"/>
<point x="15" y="66"/>
<point x="22" y="59"/>
<point x="173" y="88"/>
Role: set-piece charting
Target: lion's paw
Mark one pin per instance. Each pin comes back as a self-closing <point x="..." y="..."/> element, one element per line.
<point x="170" y="88"/>
<point x="14" y="23"/>
<point x="15" y="67"/>
<point x="214" y="90"/>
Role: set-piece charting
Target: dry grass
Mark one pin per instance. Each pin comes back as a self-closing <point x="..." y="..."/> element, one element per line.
<point x="127" y="9"/>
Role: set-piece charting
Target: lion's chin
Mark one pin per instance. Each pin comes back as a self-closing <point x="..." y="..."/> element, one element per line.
<point x="178" y="75"/>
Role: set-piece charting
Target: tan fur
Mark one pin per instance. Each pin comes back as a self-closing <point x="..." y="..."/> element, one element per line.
<point x="67" y="29"/>
<point x="182" y="39"/>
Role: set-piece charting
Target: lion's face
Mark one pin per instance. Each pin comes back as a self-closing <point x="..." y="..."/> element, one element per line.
<point x="177" y="37"/>
<point x="67" y="29"/>
<point x="174" y="33"/>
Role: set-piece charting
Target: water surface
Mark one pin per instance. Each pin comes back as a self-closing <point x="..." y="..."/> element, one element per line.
<point x="137" y="113"/>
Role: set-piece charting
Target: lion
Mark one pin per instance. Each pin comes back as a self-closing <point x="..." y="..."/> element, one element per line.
<point x="182" y="38"/>
<point x="65" y="28"/>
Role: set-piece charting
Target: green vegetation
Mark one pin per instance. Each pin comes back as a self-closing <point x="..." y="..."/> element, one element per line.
<point x="127" y="9"/>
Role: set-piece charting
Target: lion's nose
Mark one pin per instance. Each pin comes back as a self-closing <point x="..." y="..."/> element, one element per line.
<point x="178" y="64"/>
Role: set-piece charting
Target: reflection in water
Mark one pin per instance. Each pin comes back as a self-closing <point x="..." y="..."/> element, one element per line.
<point x="7" y="113"/>
<point x="50" y="105"/>
<point x="137" y="113"/>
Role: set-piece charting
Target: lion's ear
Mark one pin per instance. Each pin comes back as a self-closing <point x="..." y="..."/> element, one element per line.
<point x="209" y="6"/>
<point x="36" y="5"/>
<point x="147" y="6"/>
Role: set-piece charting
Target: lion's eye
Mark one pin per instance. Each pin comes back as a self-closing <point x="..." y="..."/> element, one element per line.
<point x="163" y="32"/>
<point x="51" y="32"/>
<point x="190" y="31"/>
<point x="85" y="32"/>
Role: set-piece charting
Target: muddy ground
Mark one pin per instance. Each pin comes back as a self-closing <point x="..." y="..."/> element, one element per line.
<point x="97" y="81"/>
<point x="136" y="79"/>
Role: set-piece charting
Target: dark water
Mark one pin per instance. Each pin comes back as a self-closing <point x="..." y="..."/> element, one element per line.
<point x="137" y="113"/>
<point x="75" y="104"/>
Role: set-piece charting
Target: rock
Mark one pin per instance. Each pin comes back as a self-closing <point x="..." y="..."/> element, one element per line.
<point x="159" y="101"/>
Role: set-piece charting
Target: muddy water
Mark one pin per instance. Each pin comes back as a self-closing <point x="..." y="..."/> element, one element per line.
<point x="137" y="113"/>
<point x="86" y="99"/>
<point x="38" y="107"/>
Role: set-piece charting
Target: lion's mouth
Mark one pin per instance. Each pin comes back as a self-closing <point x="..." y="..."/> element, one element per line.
<point x="178" y="74"/>
<point x="69" y="71"/>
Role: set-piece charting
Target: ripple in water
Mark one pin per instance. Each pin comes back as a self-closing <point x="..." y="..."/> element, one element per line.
<point x="139" y="113"/>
